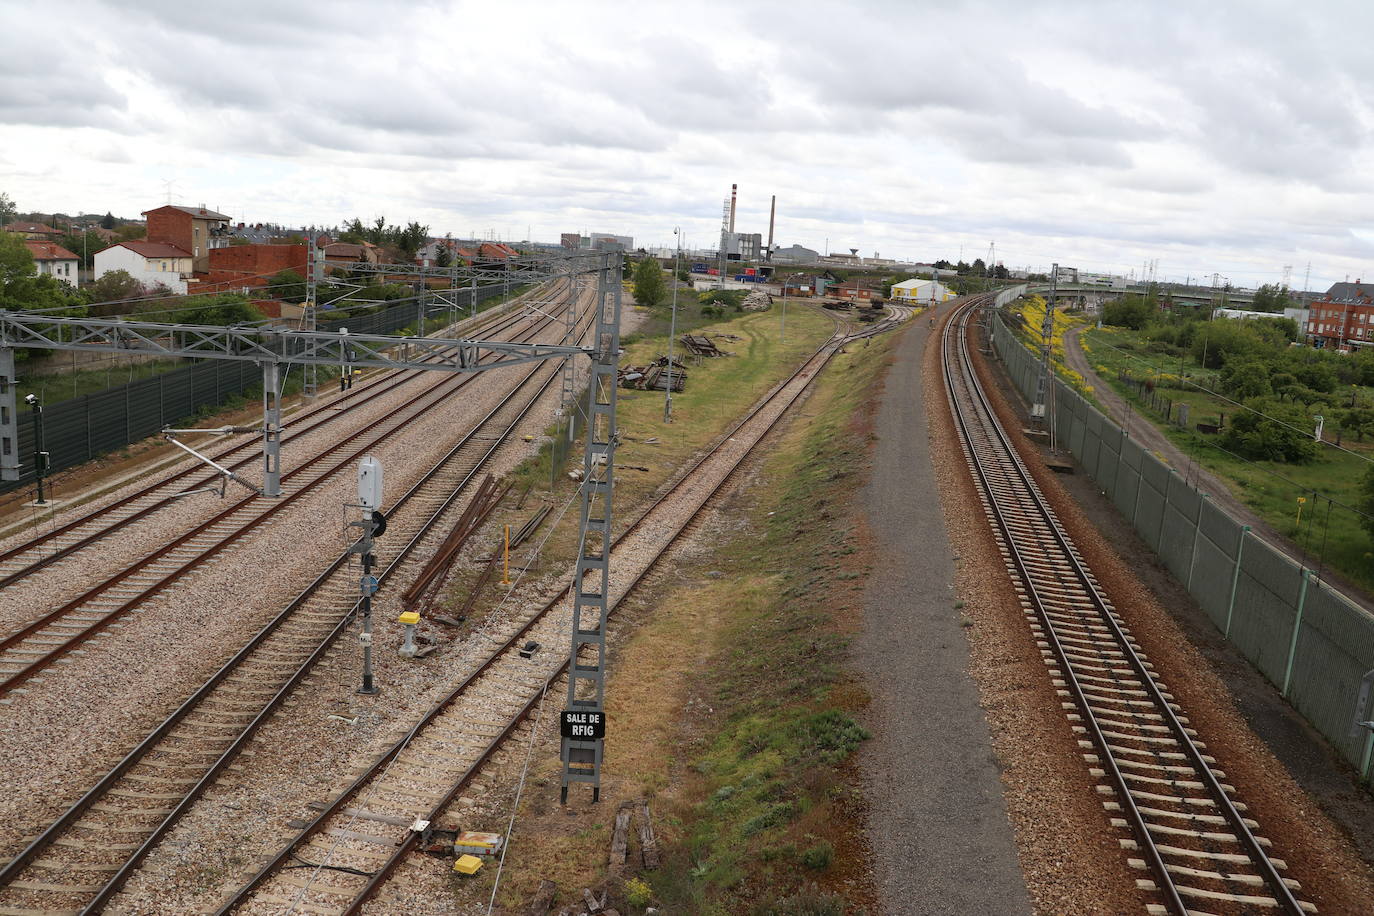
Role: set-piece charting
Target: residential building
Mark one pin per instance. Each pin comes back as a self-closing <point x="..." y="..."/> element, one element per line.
<point x="1343" y="318"/>
<point x="921" y="292"/>
<point x="54" y="260"/>
<point x="496" y="251"/>
<point x="348" y="251"/>
<point x="40" y="232"/>
<point x="150" y="263"/>
<point x="193" y="229"/>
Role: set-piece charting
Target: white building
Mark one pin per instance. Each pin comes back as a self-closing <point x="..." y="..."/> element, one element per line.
<point x="149" y="263"/>
<point x="921" y="291"/>
<point x="54" y="260"/>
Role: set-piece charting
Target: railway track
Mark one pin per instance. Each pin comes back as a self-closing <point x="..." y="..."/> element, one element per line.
<point x="348" y="851"/>
<point x="80" y="861"/>
<point x="30" y="649"/>
<point x="1184" y="827"/>
<point x="47" y="548"/>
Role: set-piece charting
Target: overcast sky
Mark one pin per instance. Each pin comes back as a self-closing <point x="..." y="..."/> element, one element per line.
<point x="1232" y="136"/>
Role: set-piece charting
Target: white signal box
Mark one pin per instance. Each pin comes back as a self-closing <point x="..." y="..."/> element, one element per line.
<point x="370" y="483"/>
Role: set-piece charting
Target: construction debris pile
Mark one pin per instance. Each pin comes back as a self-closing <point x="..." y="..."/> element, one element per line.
<point x="701" y="346"/>
<point x="757" y="301"/>
<point x="655" y="376"/>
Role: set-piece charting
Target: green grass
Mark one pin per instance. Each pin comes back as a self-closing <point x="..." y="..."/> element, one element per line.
<point x="1328" y="531"/>
<point x="73" y="383"/>
<point x="774" y="793"/>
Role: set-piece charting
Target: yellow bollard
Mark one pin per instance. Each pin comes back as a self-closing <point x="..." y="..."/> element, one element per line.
<point x="1298" y="520"/>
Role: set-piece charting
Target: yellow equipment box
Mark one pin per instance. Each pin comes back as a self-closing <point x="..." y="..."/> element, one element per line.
<point x="467" y="865"/>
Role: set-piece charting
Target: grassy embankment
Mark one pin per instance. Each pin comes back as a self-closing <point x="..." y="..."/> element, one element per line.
<point x="1331" y="534"/>
<point x="729" y="702"/>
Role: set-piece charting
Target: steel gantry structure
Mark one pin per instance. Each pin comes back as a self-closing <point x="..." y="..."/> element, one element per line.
<point x="276" y="348"/>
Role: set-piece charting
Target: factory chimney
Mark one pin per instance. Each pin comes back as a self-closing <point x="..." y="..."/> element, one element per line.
<point x="772" y="212"/>
<point x="732" y="208"/>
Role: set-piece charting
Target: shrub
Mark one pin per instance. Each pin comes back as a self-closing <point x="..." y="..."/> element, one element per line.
<point x="638" y="892"/>
<point x="818" y="857"/>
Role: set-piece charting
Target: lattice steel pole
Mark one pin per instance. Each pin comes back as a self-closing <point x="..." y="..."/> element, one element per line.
<point x="583" y="722"/>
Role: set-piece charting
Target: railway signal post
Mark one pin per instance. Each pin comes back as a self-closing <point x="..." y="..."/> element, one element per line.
<point x="370" y="501"/>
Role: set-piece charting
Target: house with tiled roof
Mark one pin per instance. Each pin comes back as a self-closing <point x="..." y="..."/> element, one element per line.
<point x="148" y="262"/>
<point x="52" y="259"/>
<point x="36" y="231"/>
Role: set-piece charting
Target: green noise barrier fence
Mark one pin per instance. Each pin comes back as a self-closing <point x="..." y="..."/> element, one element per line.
<point x="85" y="427"/>
<point x="1309" y="640"/>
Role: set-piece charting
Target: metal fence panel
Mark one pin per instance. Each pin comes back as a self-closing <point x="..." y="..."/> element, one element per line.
<point x="1267" y="593"/>
<point x="1179" y="528"/>
<point x="1150" y="499"/>
<point x="1335" y="648"/>
<point x="1128" y="478"/>
<point x="1214" y="563"/>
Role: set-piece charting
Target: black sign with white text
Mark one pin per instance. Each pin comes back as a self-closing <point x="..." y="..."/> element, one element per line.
<point x="583" y="724"/>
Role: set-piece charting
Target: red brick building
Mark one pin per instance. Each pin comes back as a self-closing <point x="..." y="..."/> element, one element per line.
<point x="245" y="267"/>
<point x="1343" y="318"/>
<point x="193" y="229"/>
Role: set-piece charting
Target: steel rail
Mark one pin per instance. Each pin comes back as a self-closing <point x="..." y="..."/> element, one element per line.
<point x="1283" y="895"/>
<point x="322" y="415"/>
<point x="810" y="369"/>
<point x="12" y="869"/>
<point x="419" y="404"/>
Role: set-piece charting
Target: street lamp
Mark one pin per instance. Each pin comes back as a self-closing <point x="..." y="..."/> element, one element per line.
<point x="40" y="457"/>
<point x="672" y="327"/>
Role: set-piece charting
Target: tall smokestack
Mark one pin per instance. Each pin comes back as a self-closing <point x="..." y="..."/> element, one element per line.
<point x="772" y="213"/>
<point x="732" y="207"/>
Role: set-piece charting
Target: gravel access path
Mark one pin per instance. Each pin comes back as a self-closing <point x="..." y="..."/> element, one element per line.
<point x="937" y="823"/>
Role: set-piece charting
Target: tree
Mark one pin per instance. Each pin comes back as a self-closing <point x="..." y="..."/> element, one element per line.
<point x="1130" y="311"/>
<point x="8" y="211"/>
<point x="444" y="256"/>
<point x="978" y="269"/>
<point x="107" y="221"/>
<point x="115" y="287"/>
<point x="1272" y="297"/>
<point x="23" y="288"/>
<point x="1246" y="380"/>
<point x="288" y="286"/>
<point x="1271" y="431"/>
<point x="649" y="286"/>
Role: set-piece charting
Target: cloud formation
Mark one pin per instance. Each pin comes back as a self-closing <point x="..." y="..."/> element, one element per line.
<point x="1232" y="136"/>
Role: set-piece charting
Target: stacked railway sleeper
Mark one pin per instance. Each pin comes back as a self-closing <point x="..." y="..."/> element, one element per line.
<point x="50" y="546"/>
<point x="1184" y="828"/>
<point x="82" y="858"/>
<point x="28" y="649"/>
<point x="346" y="853"/>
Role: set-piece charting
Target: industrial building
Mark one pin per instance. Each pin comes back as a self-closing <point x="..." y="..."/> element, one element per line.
<point x="921" y="291"/>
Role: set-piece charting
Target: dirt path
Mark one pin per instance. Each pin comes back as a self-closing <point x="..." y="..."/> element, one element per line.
<point x="937" y="823"/>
